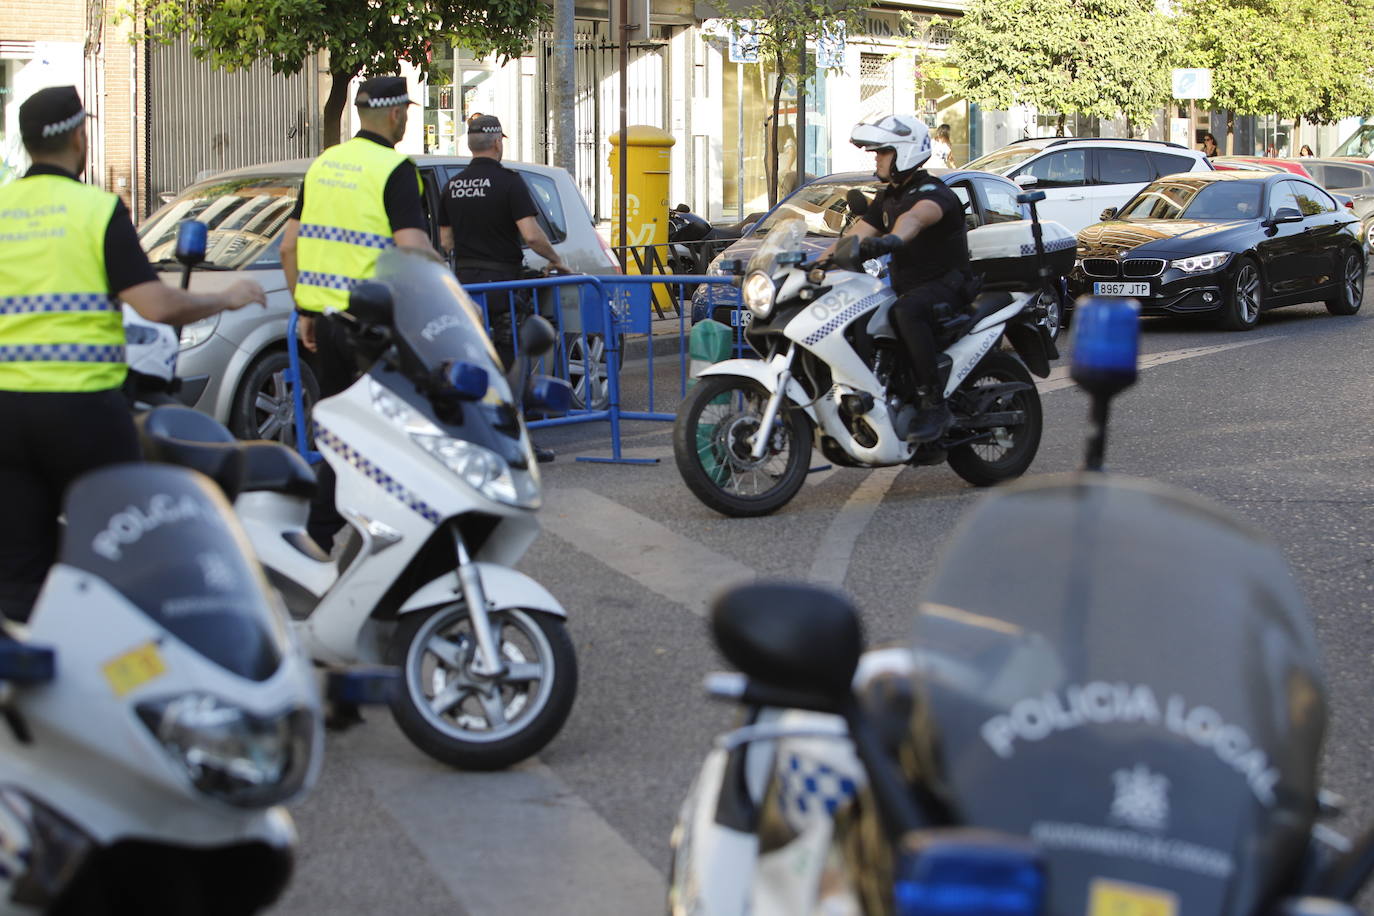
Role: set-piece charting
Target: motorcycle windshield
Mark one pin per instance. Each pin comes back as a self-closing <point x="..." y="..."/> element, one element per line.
<point x="1128" y="676"/>
<point x="165" y="539"/>
<point x="787" y="236"/>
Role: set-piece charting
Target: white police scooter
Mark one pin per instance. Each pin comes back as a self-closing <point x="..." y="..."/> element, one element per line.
<point x="439" y="486"/>
<point x="157" y="712"/>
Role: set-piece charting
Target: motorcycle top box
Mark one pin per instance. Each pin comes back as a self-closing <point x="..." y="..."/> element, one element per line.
<point x="1004" y="253"/>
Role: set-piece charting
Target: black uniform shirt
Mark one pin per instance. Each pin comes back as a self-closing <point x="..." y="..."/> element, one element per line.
<point x="400" y="197"/>
<point x="937" y="249"/>
<point x="125" y="263"/>
<point x="482" y="203"/>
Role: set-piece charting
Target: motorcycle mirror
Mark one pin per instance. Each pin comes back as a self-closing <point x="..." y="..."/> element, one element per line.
<point x="371" y="303"/>
<point x="192" y="236"/>
<point x="537" y="337"/>
<point x="1106" y="347"/>
<point x="1108" y="213"/>
<point x="857" y="201"/>
<point x="550" y="396"/>
<point x="683" y="208"/>
<point x="25" y="664"/>
<point x="796" y="637"/>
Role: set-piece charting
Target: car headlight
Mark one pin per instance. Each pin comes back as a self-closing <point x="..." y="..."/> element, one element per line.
<point x="480" y="468"/>
<point x="758" y="291"/>
<point x="228" y="753"/>
<point x="1201" y="262"/>
<point x="197" y="332"/>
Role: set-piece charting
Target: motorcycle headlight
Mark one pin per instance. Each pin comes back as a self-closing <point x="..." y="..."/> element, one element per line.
<point x="1201" y="262"/>
<point x="197" y="332"/>
<point x="757" y="291"/>
<point x="228" y="753"/>
<point x="480" y="468"/>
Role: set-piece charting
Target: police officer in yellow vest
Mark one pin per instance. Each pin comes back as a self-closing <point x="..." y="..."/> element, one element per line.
<point x="67" y="250"/>
<point x="359" y="198"/>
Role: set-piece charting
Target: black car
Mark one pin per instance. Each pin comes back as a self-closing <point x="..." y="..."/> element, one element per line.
<point x="1225" y="244"/>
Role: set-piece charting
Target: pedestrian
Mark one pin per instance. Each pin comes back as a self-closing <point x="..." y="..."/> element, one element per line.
<point x="68" y="253"/>
<point x="1306" y="151"/>
<point x="940" y="149"/>
<point x="358" y="198"/>
<point x="486" y="213"/>
<point x="1209" y="145"/>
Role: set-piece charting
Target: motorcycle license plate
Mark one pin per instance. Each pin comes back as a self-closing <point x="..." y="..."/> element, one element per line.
<point x="1117" y="898"/>
<point x="740" y="318"/>
<point x="1101" y="288"/>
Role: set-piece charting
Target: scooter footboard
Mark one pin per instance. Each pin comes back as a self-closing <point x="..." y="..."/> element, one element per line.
<point x="504" y="587"/>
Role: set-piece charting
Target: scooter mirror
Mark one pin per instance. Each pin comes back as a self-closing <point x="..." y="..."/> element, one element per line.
<point x="371" y="303"/>
<point x="537" y="337"/>
<point x="796" y="637"/>
<point x="856" y="201"/>
<point x="192" y="236"/>
<point x="550" y="396"/>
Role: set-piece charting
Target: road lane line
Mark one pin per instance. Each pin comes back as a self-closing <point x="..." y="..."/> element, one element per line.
<point x="1059" y="378"/>
<point x="636" y="546"/>
<point x="830" y="564"/>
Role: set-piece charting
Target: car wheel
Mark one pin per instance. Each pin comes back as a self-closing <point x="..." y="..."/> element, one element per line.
<point x="263" y="407"/>
<point x="1350" y="296"/>
<point x="1055" y="317"/>
<point x="1246" y="301"/>
<point x="1369" y="236"/>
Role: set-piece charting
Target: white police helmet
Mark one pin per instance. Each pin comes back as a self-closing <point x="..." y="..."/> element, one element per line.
<point x="905" y="134"/>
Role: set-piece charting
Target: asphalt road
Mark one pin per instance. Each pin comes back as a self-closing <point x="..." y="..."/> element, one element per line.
<point x="1274" y="424"/>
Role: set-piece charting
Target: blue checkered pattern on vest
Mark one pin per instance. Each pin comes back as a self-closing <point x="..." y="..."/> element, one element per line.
<point x="393" y="487"/>
<point x="57" y="302"/>
<point x="347" y="236"/>
<point x="62" y="353"/>
<point x="328" y="281"/>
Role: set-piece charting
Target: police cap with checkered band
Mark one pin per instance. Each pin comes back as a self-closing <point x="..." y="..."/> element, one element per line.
<point x="49" y="112"/>
<point x="383" y="92"/>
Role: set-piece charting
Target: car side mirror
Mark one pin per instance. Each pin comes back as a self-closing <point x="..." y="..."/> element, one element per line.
<point x="1108" y="213"/>
<point x="1025" y="181"/>
<point x="1285" y="215"/>
<point x="370" y="302"/>
<point x="796" y="637"/>
<point x="192" y="236"/>
<point x="537" y="336"/>
<point x="856" y="201"/>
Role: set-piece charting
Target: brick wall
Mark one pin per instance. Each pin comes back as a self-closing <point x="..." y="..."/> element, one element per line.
<point x="43" y="20"/>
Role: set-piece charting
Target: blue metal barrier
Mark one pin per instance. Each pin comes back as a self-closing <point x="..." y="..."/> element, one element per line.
<point x="292" y="377"/>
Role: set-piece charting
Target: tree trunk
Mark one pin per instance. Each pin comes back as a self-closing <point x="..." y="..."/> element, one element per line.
<point x="333" y="107"/>
<point x="773" y="140"/>
<point x="1059" y="128"/>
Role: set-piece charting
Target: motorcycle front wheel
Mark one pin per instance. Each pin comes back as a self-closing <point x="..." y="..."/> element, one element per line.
<point x="474" y="722"/>
<point x="712" y="443"/>
<point x="1004" y="452"/>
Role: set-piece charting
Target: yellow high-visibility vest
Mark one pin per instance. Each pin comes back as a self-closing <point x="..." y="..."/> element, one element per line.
<point x="344" y="226"/>
<point x="60" y="329"/>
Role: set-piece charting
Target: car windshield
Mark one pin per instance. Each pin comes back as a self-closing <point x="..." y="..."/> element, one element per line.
<point x="821" y="206"/>
<point x="244" y="215"/>
<point x="1358" y="144"/>
<point x="1001" y="161"/>
<point x="1213" y="200"/>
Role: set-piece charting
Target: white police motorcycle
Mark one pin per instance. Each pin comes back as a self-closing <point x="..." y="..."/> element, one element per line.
<point x="743" y="435"/>
<point x="439" y="487"/>
<point x="157" y="712"/>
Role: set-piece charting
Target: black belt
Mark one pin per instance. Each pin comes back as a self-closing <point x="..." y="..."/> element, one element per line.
<point x="479" y="264"/>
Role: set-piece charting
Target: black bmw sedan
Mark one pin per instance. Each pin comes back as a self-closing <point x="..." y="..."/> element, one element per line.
<point x="1225" y="244"/>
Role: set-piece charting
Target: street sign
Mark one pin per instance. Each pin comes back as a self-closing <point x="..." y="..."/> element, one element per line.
<point x="1192" y="83"/>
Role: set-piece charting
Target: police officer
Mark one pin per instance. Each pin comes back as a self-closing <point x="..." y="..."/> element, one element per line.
<point x="487" y="212"/>
<point x="67" y="250"/>
<point x="359" y="198"/>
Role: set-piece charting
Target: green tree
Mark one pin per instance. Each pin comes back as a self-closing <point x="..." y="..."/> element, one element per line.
<point x="781" y="29"/>
<point x="360" y="36"/>
<point x="1100" y="58"/>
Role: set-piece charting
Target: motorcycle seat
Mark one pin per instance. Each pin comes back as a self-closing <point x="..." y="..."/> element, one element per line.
<point x="986" y="304"/>
<point x="186" y="437"/>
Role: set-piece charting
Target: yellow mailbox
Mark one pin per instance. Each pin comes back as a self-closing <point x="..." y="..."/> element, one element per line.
<point x="646" y="180"/>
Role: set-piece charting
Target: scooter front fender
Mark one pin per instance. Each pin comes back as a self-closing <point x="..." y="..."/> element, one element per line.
<point x="505" y="588"/>
<point x="766" y="374"/>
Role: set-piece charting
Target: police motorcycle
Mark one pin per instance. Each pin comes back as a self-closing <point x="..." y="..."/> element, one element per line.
<point x="743" y="435"/>
<point x="1127" y="720"/>
<point x="157" y="712"/>
<point x="439" y="487"/>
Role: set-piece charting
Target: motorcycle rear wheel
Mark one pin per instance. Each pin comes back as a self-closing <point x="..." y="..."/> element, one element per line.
<point x="1009" y="451"/>
<point x="711" y="446"/>
<point x="478" y="723"/>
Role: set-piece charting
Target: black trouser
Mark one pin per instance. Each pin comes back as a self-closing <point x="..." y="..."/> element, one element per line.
<point x="498" y="308"/>
<point x="336" y="369"/>
<point x="47" y="440"/>
<point x="914" y="317"/>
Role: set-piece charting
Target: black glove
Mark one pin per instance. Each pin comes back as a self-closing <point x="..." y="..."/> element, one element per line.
<point x="877" y="246"/>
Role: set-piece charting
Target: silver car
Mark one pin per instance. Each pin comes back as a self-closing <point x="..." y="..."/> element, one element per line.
<point x="233" y="365"/>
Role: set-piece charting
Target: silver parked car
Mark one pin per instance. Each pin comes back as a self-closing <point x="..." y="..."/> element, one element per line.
<point x="232" y="366"/>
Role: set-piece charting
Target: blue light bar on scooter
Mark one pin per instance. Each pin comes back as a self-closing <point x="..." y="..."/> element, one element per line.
<point x="467" y="380"/>
<point x="1106" y="343"/>
<point x="363" y="686"/>
<point x="550" y="396"/>
<point x="192" y="236"/>
<point x="970" y="876"/>
<point x="24" y="664"/>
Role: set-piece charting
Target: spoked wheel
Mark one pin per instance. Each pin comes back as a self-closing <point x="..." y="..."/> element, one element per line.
<point x="264" y="408"/>
<point x="1243" y="309"/>
<point x="1005" y="451"/>
<point x="1054" y="313"/>
<point x="1350" y="296"/>
<point x="587" y="371"/>
<point x="713" y="439"/>
<point x="473" y="721"/>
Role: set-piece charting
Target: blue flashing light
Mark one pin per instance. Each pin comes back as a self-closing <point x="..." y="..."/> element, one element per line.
<point x="959" y="879"/>
<point x="363" y="686"/>
<point x="1106" y="340"/>
<point x="467" y="380"/>
<point x="192" y="238"/>
<point x="552" y="396"/>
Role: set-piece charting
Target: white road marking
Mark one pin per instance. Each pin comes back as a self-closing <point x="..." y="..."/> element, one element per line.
<point x="634" y="545"/>
<point x="830" y="564"/>
<point x="1059" y="378"/>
